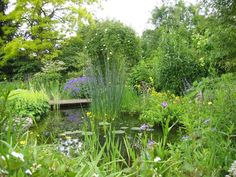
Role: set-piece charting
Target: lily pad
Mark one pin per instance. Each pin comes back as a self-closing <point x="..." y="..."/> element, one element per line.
<point x="136" y="129"/>
<point x="118" y="132"/>
<point x="104" y="123"/>
<point x="70" y="133"/>
<point x="124" y="128"/>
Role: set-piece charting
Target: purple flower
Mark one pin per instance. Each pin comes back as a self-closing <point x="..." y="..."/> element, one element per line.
<point x="74" y="85"/>
<point x="151" y="143"/>
<point x="144" y="127"/>
<point x="164" y="104"/>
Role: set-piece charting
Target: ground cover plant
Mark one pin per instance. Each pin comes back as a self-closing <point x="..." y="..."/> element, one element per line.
<point x="162" y="104"/>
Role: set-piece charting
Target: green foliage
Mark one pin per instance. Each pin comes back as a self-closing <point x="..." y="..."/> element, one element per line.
<point x="31" y="32"/>
<point x="74" y="57"/>
<point x="27" y="103"/>
<point x="130" y="102"/>
<point x="106" y="89"/>
<point x="159" y="107"/>
<point x="175" y="71"/>
<point x="142" y="74"/>
<point x="176" y="65"/>
<point x="207" y="125"/>
<point x="112" y="40"/>
<point x="51" y="71"/>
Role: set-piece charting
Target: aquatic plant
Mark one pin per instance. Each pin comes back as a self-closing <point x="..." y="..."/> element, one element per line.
<point x="106" y="88"/>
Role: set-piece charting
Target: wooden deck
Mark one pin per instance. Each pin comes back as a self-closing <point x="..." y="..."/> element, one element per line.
<point x="70" y="102"/>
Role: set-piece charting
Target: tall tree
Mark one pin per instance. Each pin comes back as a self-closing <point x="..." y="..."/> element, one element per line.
<point x="172" y="44"/>
<point x="221" y="16"/>
<point x="32" y="31"/>
<point x="42" y="26"/>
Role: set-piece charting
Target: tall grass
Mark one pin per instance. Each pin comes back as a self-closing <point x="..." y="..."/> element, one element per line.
<point x="51" y="88"/>
<point x="106" y="87"/>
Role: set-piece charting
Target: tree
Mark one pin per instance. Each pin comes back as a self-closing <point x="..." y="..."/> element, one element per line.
<point x="109" y="40"/>
<point x="40" y="27"/>
<point x="172" y="44"/>
<point x="221" y="34"/>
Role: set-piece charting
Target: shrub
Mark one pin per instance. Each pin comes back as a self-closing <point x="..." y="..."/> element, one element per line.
<point x="110" y="40"/>
<point x="142" y="73"/>
<point x="160" y="106"/>
<point x="175" y="73"/>
<point x="27" y="103"/>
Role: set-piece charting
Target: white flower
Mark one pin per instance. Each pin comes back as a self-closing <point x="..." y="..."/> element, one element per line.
<point x="80" y="145"/>
<point x="3" y="158"/>
<point x="18" y="155"/>
<point x="157" y="159"/>
<point x="28" y="172"/>
<point x="95" y="175"/>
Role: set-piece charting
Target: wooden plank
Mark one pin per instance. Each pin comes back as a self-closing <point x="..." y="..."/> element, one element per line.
<point x="70" y="102"/>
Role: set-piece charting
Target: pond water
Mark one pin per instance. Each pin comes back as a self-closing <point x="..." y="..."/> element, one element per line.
<point x="74" y="123"/>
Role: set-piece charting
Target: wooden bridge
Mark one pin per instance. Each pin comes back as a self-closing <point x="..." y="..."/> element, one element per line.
<point x="71" y="102"/>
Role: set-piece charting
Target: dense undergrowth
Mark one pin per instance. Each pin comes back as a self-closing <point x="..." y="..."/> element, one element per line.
<point x="178" y="79"/>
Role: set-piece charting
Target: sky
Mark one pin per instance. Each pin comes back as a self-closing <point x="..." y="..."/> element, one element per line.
<point x="134" y="13"/>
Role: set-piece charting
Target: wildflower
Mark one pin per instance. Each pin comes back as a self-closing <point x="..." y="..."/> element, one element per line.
<point x="95" y="175"/>
<point x="209" y="103"/>
<point x="22" y="142"/>
<point x="144" y="127"/>
<point x="164" y="104"/>
<point x="28" y="172"/>
<point x="18" y="155"/>
<point x="89" y="114"/>
<point x="151" y="143"/>
<point x="157" y="159"/>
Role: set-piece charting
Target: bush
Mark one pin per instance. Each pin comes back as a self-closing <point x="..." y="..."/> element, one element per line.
<point x="175" y="73"/>
<point x="142" y="74"/>
<point x="27" y="103"/>
<point x="160" y="106"/>
<point x="112" y="40"/>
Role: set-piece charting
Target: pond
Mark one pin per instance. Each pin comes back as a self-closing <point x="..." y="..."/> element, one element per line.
<point x="73" y="122"/>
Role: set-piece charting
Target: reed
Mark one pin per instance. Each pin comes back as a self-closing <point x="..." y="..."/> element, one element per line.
<point x="106" y="85"/>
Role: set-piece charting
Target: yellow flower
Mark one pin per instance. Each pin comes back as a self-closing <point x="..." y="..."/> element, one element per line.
<point x="22" y="142"/>
<point x="209" y="103"/>
<point x="89" y="114"/>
